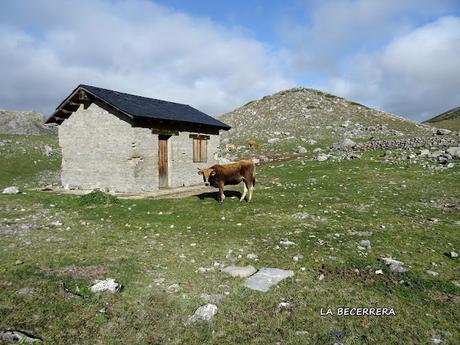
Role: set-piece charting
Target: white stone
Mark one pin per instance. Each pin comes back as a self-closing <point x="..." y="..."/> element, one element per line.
<point x="106" y="285"/>
<point x="11" y="190"/>
<point x="17" y="337"/>
<point x="432" y="273"/>
<point x="287" y="243"/>
<point x="252" y="256"/>
<point x="265" y="278"/>
<point x="204" y="313"/>
<point x="240" y="271"/>
<point x="322" y="157"/>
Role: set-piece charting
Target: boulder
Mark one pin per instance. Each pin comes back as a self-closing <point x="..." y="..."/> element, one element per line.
<point x="106" y="285"/>
<point x="443" y="131"/>
<point x="322" y="157"/>
<point x="454" y="152"/>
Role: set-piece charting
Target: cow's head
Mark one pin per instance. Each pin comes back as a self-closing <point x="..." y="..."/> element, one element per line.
<point x="207" y="173"/>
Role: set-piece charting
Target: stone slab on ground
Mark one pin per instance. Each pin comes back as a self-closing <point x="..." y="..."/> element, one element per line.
<point x="266" y="278"/>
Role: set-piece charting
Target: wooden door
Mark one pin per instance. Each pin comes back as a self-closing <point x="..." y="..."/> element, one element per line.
<point x="163" y="160"/>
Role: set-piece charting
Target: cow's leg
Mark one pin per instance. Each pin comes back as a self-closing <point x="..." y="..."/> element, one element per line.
<point x="245" y="191"/>
<point x="251" y="189"/>
<point x="221" y="193"/>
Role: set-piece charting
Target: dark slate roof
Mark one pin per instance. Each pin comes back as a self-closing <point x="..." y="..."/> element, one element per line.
<point x="138" y="107"/>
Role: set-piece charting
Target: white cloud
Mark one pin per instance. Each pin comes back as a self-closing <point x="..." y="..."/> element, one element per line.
<point x="49" y="47"/>
<point x="416" y="74"/>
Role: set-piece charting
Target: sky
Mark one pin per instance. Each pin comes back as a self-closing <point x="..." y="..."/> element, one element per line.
<point x="400" y="56"/>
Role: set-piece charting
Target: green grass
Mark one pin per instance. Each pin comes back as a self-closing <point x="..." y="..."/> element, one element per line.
<point x="148" y="245"/>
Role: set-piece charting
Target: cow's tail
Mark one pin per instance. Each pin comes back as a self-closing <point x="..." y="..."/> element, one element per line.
<point x="254" y="176"/>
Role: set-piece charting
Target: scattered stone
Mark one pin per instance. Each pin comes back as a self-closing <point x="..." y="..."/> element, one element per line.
<point x="18" y="337"/>
<point x="310" y="142"/>
<point x="173" y="287"/>
<point x="297" y="257"/>
<point x="18" y="262"/>
<point x="456" y="282"/>
<point x="452" y="255"/>
<point x="322" y="157"/>
<point x="287" y="243"/>
<point x="301" y="150"/>
<point x="395" y="265"/>
<point x="379" y="272"/>
<point x="212" y="298"/>
<point x="273" y="140"/>
<point x="432" y="273"/>
<point x="285" y="306"/>
<point x="266" y="278"/>
<point x="424" y="153"/>
<point x="436" y="340"/>
<point x="240" y="271"/>
<point x="252" y="256"/>
<point x="365" y="243"/>
<point x="11" y="190"/>
<point x="320" y="277"/>
<point x="204" y="313"/>
<point x="25" y="291"/>
<point x="106" y="285"/>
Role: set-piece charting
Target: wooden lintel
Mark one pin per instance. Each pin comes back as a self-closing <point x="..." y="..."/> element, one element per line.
<point x="73" y="104"/>
<point x="164" y="131"/>
<point x="199" y="136"/>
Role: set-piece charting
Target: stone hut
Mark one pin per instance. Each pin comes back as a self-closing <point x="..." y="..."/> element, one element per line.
<point x="127" y="143"/>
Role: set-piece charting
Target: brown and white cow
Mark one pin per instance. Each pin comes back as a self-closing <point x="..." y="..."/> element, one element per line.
<point x="231" y="174"/>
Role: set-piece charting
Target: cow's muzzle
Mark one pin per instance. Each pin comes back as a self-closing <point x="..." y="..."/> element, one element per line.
<point x="206" y="183"/>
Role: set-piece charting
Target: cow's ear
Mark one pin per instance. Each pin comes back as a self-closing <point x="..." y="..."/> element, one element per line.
<point x="200" y="172"/>
<point x="213" y="173"/>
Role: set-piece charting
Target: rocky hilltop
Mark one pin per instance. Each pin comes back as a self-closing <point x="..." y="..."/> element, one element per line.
<point x="300" y="118"/>
<point x="23" y="122"/>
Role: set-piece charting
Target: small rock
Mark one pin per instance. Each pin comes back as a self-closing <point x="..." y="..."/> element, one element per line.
<point x="379" y="272"/>
<point x="173" y="287"/>
<point x="18" y="262"/>
<point x="106" y="285"/>
<point x="285" y="306"/>
<point x="456" y="282"/>
<point x="204" y="313"/>
<point x="287" y="243"/>
<point x="395" y="265"/>
<point x="320" y="277"/>
<point x="452" y="255"/>
<point x="301" y="150"/>
<point x="322" y="157"/>
<point x="432" y="273"/>
<point x="240" y="271"/>
<point x="297" y="257"/>
<point x="365" y="243"/>
<point x="11" y="190"/>
<point x="25" y="291"/>
<point x="252" y="256"/>
<point x="436" y="340"/>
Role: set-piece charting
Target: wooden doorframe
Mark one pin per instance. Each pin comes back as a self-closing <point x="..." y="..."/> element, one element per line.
<point x="163" y="161"/>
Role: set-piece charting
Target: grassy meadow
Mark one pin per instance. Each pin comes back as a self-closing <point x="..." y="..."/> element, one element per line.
<point x="167" y="253"/>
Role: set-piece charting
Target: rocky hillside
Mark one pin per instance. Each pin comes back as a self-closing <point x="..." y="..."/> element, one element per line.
<point x="449" y="119"/>
<point x="23" y="122"/>
<point x="301" y="119"/>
